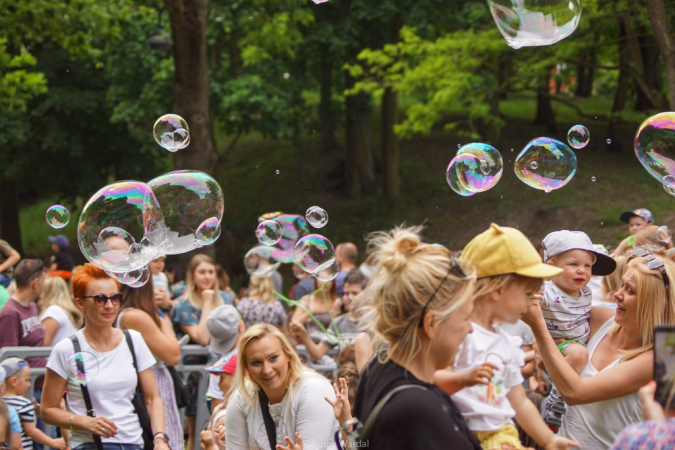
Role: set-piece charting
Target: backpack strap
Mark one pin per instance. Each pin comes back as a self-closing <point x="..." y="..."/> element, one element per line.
<point x="367" y="429"/>
<point x="267" y="417"/>
<point x="85" y="390"/>
<point x="130" y="343"/>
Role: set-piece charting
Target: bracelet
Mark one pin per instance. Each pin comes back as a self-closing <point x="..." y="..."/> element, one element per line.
<point x="70" y="421"/>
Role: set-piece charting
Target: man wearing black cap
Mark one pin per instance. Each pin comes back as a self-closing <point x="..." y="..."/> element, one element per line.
<point x="61" y="259"/>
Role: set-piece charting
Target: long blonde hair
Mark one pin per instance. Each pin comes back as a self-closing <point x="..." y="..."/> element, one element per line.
<point x="408" y="272"/>
<point x="244" y="383"/>
<point x="261" y="288"/>
<point x="653" y="306"/>
<point x="612" y="282"/>
<point x="191" y="290"/>
<point x="56" y="292"/>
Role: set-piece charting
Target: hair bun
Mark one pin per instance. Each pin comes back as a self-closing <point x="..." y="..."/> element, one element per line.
<point x="394" y="248"/>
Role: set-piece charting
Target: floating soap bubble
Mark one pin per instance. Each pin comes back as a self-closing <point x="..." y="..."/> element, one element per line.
<point x="655" y="146"/>
<point x="318" y="2"/>
<point x="526" y="23"/>
<point x="257" y="261"/>
<point x="143" y="277"/>
<point x="609" y="141"/>
<point x="592" y="178"/>
<point x="578" y="136"/>
<point x="268" y="232"/>
<point x="546" y="164"/>
<point x="189" y="199"/>
<point x="116" y="218"/>
<point x="452" y="174"/>
<point x="293" y="227"/>
<point x="58" y="216"/>
<point x="314" y="253"/>
<point x="484" y="171"/>
<point x="82" y="368"/>
<point x="126" y="277"/>
<point x="668" y="189"/>
<point x="316" y="216"/>
<point x="328" y="273"/>
<point x="663" y="234"/>
<point x="171" y="132"/>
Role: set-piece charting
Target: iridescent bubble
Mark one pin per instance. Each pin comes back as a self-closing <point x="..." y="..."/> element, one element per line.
<point x="664" y="234"/>
<point x="257" y="261"/>
<point x="143" y="277"/>
<point x="171" y="132"/>
<point x="114" y="219"/>
<point x="655" y="145"/>
<point x="484" y="171"/>
<point x="314" y="253"/>
<point x="127" y="278"/>
<point x="526" y="23"/>
<point x="328" y="273"/>
<point x="316" y="216"/>
<point x="452" y="174"/>
<point x="268" y="232"/>
<point x="82" y="368"/>
<point x="58" y="216"/>
<point x="578" y="136"/>
<point x="293" y="227"/>
<point x="546" y="164"/>
<point x="188" y="199"/>
<point x="668" y="189"/>
<point x="669" y="180"/>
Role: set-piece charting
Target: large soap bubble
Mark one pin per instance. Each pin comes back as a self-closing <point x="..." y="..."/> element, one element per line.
<point x="314" y="253"/>
<point x="527" y="23"/>
<point x="121" y="227"/>
<point x="171" y="132"/>
<point x="655" y="147"/>
<point x="452" y="174"/>
<point x="192" y="205"/>
<point x="484" y="171"/>
<point x="546" y="164"/>
<point x="293" y="227"/>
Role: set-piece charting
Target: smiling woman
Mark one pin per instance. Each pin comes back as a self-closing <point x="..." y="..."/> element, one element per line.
<point x="275" y="397"/>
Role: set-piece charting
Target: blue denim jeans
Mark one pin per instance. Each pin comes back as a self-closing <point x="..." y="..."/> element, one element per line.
<point x="92" y="446"/>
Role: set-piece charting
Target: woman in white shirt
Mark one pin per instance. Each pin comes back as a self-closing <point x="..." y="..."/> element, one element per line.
<point x="270" y="376"/>
<point x="112" y="389"/>
<point x="60" y="318"/>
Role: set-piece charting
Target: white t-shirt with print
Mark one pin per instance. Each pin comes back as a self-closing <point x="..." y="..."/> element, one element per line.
<point x="486" y="407"/>
<point x="307" y="413"/>
<point x="111" y="390"/>
<point x="566" y="317"/>
<point x="62" y="317"/>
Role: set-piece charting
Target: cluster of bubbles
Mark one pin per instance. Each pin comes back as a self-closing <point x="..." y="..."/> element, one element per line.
<point x="578" y="136"/>
<point x="82" y="368"/>
<point x="655" y="148"/>
<point x="316" y="216"/>
<point x="476" y="168"/>
<point x="171" y="132"/>
<point x="663" y="234"/>
<point x="58" y="216"/>
<point x="545" y="164"/>
<point x="127" y="224"/>
<point x="528" y="23"/>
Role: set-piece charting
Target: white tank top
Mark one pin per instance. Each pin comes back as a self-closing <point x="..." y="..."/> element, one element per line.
<point x="595" y="426"/>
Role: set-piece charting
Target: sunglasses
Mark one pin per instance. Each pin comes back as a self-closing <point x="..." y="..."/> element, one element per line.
<point x="100" y="300"/>
<point x="40" y="268"/>
<point x="454" y="267"/>
<point x="653" y="263"/>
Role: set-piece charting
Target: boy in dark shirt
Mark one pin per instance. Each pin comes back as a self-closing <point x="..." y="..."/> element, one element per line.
<point x="61" y="261"/>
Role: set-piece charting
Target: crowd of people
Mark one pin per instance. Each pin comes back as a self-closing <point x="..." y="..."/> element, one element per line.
<point x="498" y="346"/>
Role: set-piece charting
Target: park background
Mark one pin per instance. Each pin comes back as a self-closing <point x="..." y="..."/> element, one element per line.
<point x="356" y="106"/>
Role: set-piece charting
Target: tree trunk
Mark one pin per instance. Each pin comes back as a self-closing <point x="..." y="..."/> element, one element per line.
<point x="390" y="156"/>
<point x="545" y="115"/>
<point x="585" y="73"/>
<point x="644" y="88"/>
<point x="621" y="93"/>
<point x="9" y="212"/>
<point x="665" y="41"/>
<point x="326" y="120"/>
<point x="359" y="164"/>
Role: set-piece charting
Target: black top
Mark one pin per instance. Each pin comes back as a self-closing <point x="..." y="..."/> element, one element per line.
<point x="64" y="261"/>
<point x="411" y="419"/>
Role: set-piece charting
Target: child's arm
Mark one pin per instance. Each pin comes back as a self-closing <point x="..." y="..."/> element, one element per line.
<point x="528" y="369"/>
<point x="316" y="351"/>
<point x="37" y="435"/>
<point x="451" y="382"/>
<point x="529" y="419"/>
<point x="15" y="441"/>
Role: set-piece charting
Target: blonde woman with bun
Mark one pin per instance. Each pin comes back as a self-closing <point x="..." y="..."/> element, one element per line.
<point x="271" y="379"/>
<point x="421" y="304"/>
<point x="60" y="318"/>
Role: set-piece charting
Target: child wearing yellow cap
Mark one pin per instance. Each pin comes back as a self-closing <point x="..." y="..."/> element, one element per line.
<point x="485" y="381"/>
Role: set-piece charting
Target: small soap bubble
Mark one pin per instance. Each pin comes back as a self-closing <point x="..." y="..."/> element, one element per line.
<point x="592" y="178"/>
<point x="143" y="278"/>
<point x="293" y="227"/>
<point x="329" y="273"/>
<point x="114" y="244"/>
<point x="82" y="368"/>
<point x="459" y="145"/>
<point x="663" y="234"/>
<point x="258" y="261"/>
<point x="268" y="232"/>
<point x="452" y="176"/>
<point x="546" y="164"/>
<point x="58" y="216"/>
<point x="171" y="132"/>
<point x="655" y="145"/>
<point x="609" y="141"/>
<point x="314" y="253"/>
<point x="126" y="277"/>
<point x="483" y="170"/>
<point x="318" y="2"/>
<point x="287" y="75"/>
<point x="207" y="232"/>
<point x="668" y="189"/>
<point x="526" y="23"/>
<point x="669" y="180"/>
<point x="578" y="136"/>
<point x="277" y="171"/>
<point x="316" y="216"/>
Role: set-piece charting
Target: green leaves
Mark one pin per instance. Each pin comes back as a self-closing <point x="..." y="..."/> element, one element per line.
<point x="17" y="84"/>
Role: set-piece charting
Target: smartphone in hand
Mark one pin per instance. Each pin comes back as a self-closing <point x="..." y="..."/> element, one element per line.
<point x="664" y="365"/>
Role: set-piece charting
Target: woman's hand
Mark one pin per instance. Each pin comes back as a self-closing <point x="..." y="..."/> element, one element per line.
<point x="208" y="295"/>
<point x="532" y="314"/>
<point x="102" y="426"/>
<point x="651" y="409"/>
<point x="219" y="431"/>
<point x="479" y="375"/>
<point x="298" y="330"/>
<point x="341" y="406"/>
<point x="291" y="445"/>
<point x="162" y="298"/>
<point x="560" y="443"/>
<point x="161" y="444"/>
<point x="206" y="438"/>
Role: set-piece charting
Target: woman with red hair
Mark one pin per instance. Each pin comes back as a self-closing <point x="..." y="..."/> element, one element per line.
<point x="111" y="380"/>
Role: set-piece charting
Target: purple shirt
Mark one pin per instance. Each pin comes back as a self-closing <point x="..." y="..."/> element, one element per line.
<point x="21" y="327"/>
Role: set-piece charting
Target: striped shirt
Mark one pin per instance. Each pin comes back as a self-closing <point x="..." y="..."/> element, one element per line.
<point x="566" y="317"/>
<point x="26" y="411"/>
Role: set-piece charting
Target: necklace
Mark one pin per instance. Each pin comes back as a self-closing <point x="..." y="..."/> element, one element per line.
<point x="104" y="354"/>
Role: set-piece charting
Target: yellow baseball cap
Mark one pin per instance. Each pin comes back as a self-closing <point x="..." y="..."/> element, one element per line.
<point x="502" y="250"/>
